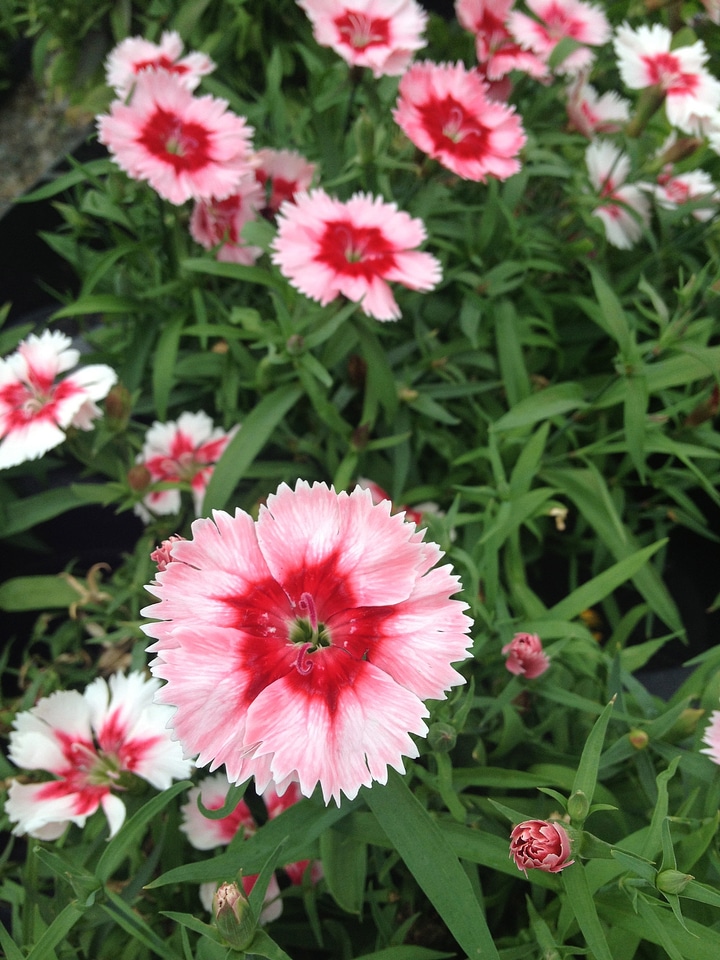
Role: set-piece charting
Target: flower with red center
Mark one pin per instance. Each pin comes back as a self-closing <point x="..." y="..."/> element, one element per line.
<point x="525" y="656"/>
<point x="36" y="407"/>
<point x="301" y="646"/>
<point x="135" y="54"/>
<point x="181" y="452"/>
<point x="623" y="209"/>
<point x="380" y="34"/>
<point x="185" y="147"/>
<point x="219" y="223"/>
<point x="94" y="743"/>
<point x="327" y="248"/>
<point x="282" y="173"/>
<point x="673" y="190"/>
<point x="446" y="112"/>
<point x="711" y="737"/>
<point x="558" y="20"/>
<point x="540" y="845"/>
<point x="645" y="59"/>
<point x="591" y="113"/>
<point x="497" y="50"/>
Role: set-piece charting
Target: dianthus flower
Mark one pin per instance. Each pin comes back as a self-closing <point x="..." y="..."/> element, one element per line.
<point x="282" y="173"/>
<point x="180" y="452"/>
<point x="497" y="50"/>
<point x="135" y="54"/>
<point x="624" y="210"/>
<point x="36" y="407"/>
<point x="645" y="59"/>
<point x="301" y="646"/>
<point x="380" y="34"/>
<point x="711" y="737"/>
<point x="94" y="743"/>
<point x="414" y="514"/>
<point x="540" y="845"/>
<point x="525" y="656"/>
<point x="591" y="113"/>
<point x="557" y="20"/>
<point x="327" y="248"/>
<point x="672" y="190"/>
<point x="185" y="147"/>
<point x="446" y="112"/>
<point x="219" y="223"/>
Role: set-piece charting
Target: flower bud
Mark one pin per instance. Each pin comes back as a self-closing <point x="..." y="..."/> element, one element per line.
<point x="295" y="344"/>
<point x="540" y="845"/>
<point x="233" y="916"/>
<point x="578" y="806"/>
<point x="525" y="656"/>
<point x="686" y="724"/>
<point x="139" y="477"/>
<point x="365" y="139"/>
<point x="672" y="881"/>
<point x="638" y="738"/>
<point x="442" y="737"/>
<point x="118" y="404"/>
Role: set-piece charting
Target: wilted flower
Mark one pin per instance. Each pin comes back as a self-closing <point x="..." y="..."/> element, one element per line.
<point x="301" y="646"/>
<point x="135" y="54"/>
<point x="446" y="111"/>
<point x="380" y="34"/>
<point x="525" y="656"/>
<point x="36" y="407"/>
<point x="90" y="742"/>
<point x="327" y="248"/>
<point x="540" y="845"/>
<point x="185" y="147"/>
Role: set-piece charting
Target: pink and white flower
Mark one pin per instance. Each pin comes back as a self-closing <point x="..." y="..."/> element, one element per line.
<point x="380" y="34"/>
<point x="497" y="50"/>
<point x="711" y="737"/>
<point x="525" y="656"/>
<point x="135" y="54"/>
<point x="591" y="113"/>
<point x="559" y="20"/>
<point x="219" y="223"/>
<point x="624" y="209"/>
<point x="282" y="173"/>
<point x="645" y="59"/>
<point x="446" y="111"/>
<point x="327" y="248"/>
<point x="301" y="646"/>
<point x="540" y="845"/>
<point x="414" y="514"/>
<point x="36" y="405"/>
<point x="672" y="190"/>
<point x="181" y="452"/>
<point x="185" y="147"/>
<point x="94" y="743"/>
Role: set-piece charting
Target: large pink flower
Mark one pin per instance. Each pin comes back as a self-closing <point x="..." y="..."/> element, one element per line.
<point x="301" y="646"/>
<point x="557" y="20"/>
<point x="181" y="452"/>
<point x="645" y="59"/>
<point x="445" y="110"/>
<point x="327" y="248"/>
<point x="94" y="743"/>
<point x="623" y="208"/>
<point x="36" y="407"/>
<point x="135" y="54"/>
<point x="380" y="34"/>
<point x="186" y="147"/>
<point x="219" y="223"/>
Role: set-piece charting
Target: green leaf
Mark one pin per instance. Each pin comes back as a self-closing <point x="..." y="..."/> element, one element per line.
<point x="132" y="922"/>
<point x="262" y="945"/>
<point x="613" y="315"/>
<point x="344" y="861"/>
<point x="542" y="405"/>
<point x="256" y="430"/>
<point x="581" y="902"/>
<point x="232" y="271"/>
<point x="417" y="838"/>
<point x="56" y="932"/>
<point x="12" y="951"/>
<point x="510" y="356"/>
<point x="586" y="776"/>
<point x="19" y="515"/>
<point x="37" y="593"/>
<point x="163" y="367"/>
<point x="98" y="303"/>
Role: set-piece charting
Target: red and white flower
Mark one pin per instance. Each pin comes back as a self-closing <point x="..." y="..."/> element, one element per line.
<point x="446" y="111"/>
<point x="301" y="646"/>
<point x="94" y="744"/>
<point x="282" y="173"/>
<point x="591" y="113"/>
<point x="135" y="54"/>
<point x="711" y="737"/>
<point x="624" y="209"/>
<point x="645" y="59"/>
<point x="380" y="34"/>
<point x="673" y="190"/>
<point x="219" y="223"/>
<point x="497" y="50"/>
<point x="181" y="452"/>
<point x="36" y="405"/>
<point x="185" y="147"/>
<point x="327" y="248"/>
<point x="558" y="20"/>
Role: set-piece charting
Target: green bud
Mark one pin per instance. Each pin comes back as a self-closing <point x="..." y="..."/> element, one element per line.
<point x="442" y="737"/>
<point x="672" y="881"/>
<point x="638" y="738"/>
<point x="365" y="139"/>
<point x="578" y="806"/>
<point x="233" y="916"/>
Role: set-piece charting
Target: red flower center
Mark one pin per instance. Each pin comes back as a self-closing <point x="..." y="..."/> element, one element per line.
<point x="356" y="251"/>
<point x="664" y="69"/>
<point x="183" y="144"/>
<point x="452" y="127"/>
<point x="162" y="62"/>
<point x="359" y="31"/>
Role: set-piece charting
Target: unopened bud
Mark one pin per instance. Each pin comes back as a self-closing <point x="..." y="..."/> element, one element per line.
<point x="233" y="916"/>
<point x="407" y="394"/>
<point x="638" y="738"/>
<point x="295" y="344"/>
<point x="139" y="477"/>
<point x="442" y="737"/>
<point x="365" y="139"/>
<point x="686" y="724"/>
<point x="118" y="404"/>
<point x="578" y="806"/>
<point x="672" y="881"/>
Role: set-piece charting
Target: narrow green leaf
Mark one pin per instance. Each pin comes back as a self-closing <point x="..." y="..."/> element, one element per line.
<point x="417" y="838"/>
<point x="12" y="951"/>
<point x="131" y="922"/>
<point x="551" y="402"/>
<point x="510" y="356"/>
<point x="233" y="798"/>
<point x="36" y="593"/>
<point x="17" y="516"/>
<point x="405" y="952"/>
<point x="344" y="861"/>
<point x="256" y="430"/>
<point x="163" y="367"/>
<point x="581" y="902"/>
<point x="98" y="303"/>
<point x="232" y="271"/>
<point x="263" y="945"/>
<point x="616" y="322"/>
<point x="586" y="776"/>
<point x="56" y="932"/>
